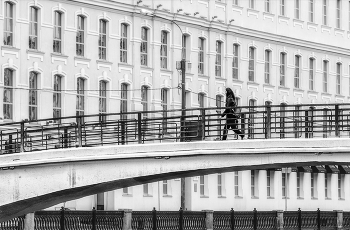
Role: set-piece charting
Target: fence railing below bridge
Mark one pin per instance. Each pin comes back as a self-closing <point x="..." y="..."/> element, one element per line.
<point x="182" y="220"/>
<point x="258" y="122"/>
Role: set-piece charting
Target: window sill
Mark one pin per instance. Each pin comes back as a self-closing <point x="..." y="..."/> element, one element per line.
<point x="255" y="197"/>
<point x="59" y="55"/>
<point x="204" y="196"/>
<point x="339" y="30"/>
<point x="167" y="195"/>
<point x="312" y="24"/>
<point x="221" y="197"/>
<point x="35" y="51"/>
<point x="341" y="198"/>
<point x="101" y="61"/>
<point x="300" y="198"/>
<point x="4" y="47"/>
<point x="202" y="75"/>
<point x="237" y="7"/>
<point x="268" y="85"/>
<point x="166" y="71"/>
<point x="338" y="95"/>
<point x="127" y="195"/>
<point x="314" y="198"/>
<point x="312" y="92"/>
<point x="269" y="14"/>
<point x="283" y="17"/>
<point x="326" y="94"/>
<point x="298" y="20"/>
<point x="298" y="90"/>
<point x="238" y="197"/>
<point x="252" y="83"/>
<point x="81" y="58"/>
<point x="285" y="198"/>
<point x="219" y="78"/>
<point x="327" y="198"/>
<point x="270" y="197"/>
<point x="237" y="80"/>
<point x="283" y="87"/>
<point x="147" y="195"/>
<point x="144" y="67"/>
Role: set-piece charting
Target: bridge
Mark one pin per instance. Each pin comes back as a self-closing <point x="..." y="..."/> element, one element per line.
<point x="68" y="173"/>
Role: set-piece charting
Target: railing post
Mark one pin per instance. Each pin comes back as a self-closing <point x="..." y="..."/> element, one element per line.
<point x="336" y="121"/>
<point x="62" y="219"/>
<point x="268" y="122"/>
<point x="339" y="219"/>
<point x="232" y="219"/>
<point x="209" y="219"/>
<point x="154" y="219"/>
<point x="10" y="144"/>
<point x="93" y="219"/>
<point x="279" y="221"/>
<point x="65" y="137"/>
<point x="29" y="222"/>
<point x="181" y="219"/>
<point x="80" y="132"/>
<point x="139" y="127"/>
<point x="203" y="124"/>
<point x="22" y="137"/>
<point x="318" y="219"/>
<point x="243" y="123"/>
<point x="299" y="219"/>
<point x="306" y="124"/>
<point x="255" y="219"/>
<point x="127" y="216"/>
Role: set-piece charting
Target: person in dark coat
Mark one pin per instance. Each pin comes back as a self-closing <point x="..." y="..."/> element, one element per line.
<point x="231" y="116"/>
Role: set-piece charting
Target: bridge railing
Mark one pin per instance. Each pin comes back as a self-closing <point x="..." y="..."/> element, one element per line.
<point x="182" y="220"/>
<point x="258" y="122"/>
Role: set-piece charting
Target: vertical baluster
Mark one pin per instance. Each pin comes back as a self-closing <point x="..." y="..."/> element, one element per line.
<point x="181" y="219"/>
<point x="299" y="219"/>
<point x="139" y="128"/>
<point x="154" y="219"/>
<point x="336" y="120"/>
<point x="93" y="218"/>
<point x="318" y="219"/>
<point x="62" y="227"/>
<point x="255" y="219"/>
<point x="232" y="219"/>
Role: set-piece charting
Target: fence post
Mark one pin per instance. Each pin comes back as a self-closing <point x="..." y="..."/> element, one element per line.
<point x="336" y="121"/>
<point x="62" y="219"/>
<point x="299" y="219"/>
<point x="29" y="223"/>
<point x="318" y="219"/>
<point x="22" y="137"/>
<point x="255" y="219"/>
<point x="181" y="219"/>
<point x="232" y="219"/>
<point x="279" y="222"/>
<point x="339" y="219"/>
<point x="93" y="219"/>
<point x="127" y="216"/>
<point x="139" y="127"/>
<point x="80" y="132"/>
<point x="154" y="219"/>
<point x="268" y="122"/>
<point x="209" y="219"/>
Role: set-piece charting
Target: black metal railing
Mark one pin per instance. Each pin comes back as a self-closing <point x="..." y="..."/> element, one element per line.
<point x="180" y="220"/>
<point x="258" y="122"/>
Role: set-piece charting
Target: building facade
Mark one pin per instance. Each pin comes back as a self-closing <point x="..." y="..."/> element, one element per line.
<point x="62" y="58"/>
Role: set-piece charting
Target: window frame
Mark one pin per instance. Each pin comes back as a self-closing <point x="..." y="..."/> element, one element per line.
<point x="80" y="92"/>
<point x="102" y="93"/>
<point x="325" y="12"/>
<point x="8" y="23"/>
<point x="325" y="76"/>
<point x="164" y="104"/>
<point x="8" y="105"/>
<point x="164" y="49"/>
<point x="251" y="64"/>
<point x="282" y="8"/>
<point x="297" y="9"/>
<point x="218" y="59"/>
<point x="235" y="61"/>
<point x="252" y="4"/>
<point x="283" y="64"/>
<point x="311" y="11"/>
<point x="124" y="100"/>
<point x="201" y="58"/>
<point x="57" y="32"/>
<point x="220" y="184"/>
<point x="267" y="6"/>
<point x="80" y="36"/>
<point x="338" y="67"/>
<point x="297" y="71"/>
<point x="57" y="96"/>
<point x="267" y="67"/>
<point x="338" y="14"/>
<point x="33" y="96"/>
<point x="102" y="40"/>
<point x="144" y="46"/>
<point x="311" y="74"/>
<point x="124" y="42"/>
<point x="33" y="24"/>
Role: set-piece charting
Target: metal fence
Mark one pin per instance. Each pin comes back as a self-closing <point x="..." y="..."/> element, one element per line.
<point x="258" y="122"/>
<point x="180" y="220"/>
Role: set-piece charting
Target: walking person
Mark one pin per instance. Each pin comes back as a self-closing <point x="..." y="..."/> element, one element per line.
<point x="231" y="116"/>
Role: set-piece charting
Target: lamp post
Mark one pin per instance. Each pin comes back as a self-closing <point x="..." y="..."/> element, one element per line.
<point x="181" y="67"/>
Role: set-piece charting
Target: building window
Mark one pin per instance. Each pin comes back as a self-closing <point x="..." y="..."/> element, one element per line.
<point x="144" y="100"/>
<point x="311" y="74"/>
<point x="282" y="7"/>
<point x="236" y="183"/>
<point x="349" y="15"/>
<point x="100" y="201"/>
<point x="184" y="47"/>
<point x="80" y="37"/>
<point x="8" y="24"/>
<point x="164" y="104"/>
<point x="218" y="59"/>
<point x="124" y="100"/>
<point x="313" y="185"/>
<point x="340" y="186"/>
<point x="297" y="9"/>
<point x="124" y="43"/>
<point x="144" y="46"/>
<point x="201" y="100"/>
<point x="282" y="120"/>
<point x="164" y="50"/>
<point x="338" y="14"/>
<point x="235" y="61"/>
<point x="268" y="183"/>
<point x="220" y="184"/>
<point x="283" y="69"/>
<point x="33" y="96"/>
<point x="338" y="79"/>
<point x="251" y="118"/>
<point x="324" y="12"/>
<point x="251" y="68"/>
<point x="33" y="28"/>
<point x="80" y="96"/>
<point x="202" y="185"/>
<point x="57" y="32"/>
<point x="267" y="66"/>
<point x="267" y="6"/>
<point x="57" y="96"/>
<point x="102" y="41"/>
<point x="8" y="94"/>
<point x="252" y="4"/>
<point x="325" y="76"/>
<point x="311" y="10"/>
<point x="126" y="191"/>
<point x="326" y="186"/>
<point x="165" y="187"/>
<point x="235" y="2"/>
<point x="297" y="72"/>
<point x="253" y="180"/>
<point x="201" y="56"/>
<point x="102" y="97"/>
<point x="145" y="189"/>
<point x="284" y="184"/>
<point x="299" y="185"/>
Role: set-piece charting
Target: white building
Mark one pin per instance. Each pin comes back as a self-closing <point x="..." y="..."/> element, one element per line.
<point x="61" y="58"/>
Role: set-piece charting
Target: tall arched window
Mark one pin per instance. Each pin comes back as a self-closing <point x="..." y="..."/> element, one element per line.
<point x="102" y="105"/>
<point x="33" y="96"/>
<point x="57" y="96"/>
<point x="80" y="37"/>
<point x="251" y="118"/>
<point x="164" y="50"/>
<point x="8" y="24"/>
<point x="33" y="28"/>
<point x="185" y="42"/>
<point x="164" y="104"/>
<point x="218" y="59"/>
<point x="283" y="63"/>
<point x="297" y="72"/>
<point x="80" y="96"/>
<point x="102" y="41"/>
<point x="267" y="66"/>
<point x="144" y="46"/>
<point x="8" y="94"/>
<point x="144" y="99"/>
<point x="325" y="76"/>
<point x="338" y="79"/>
<point x="124" y="43"/>
<point x="201" y="55"/>
<point x="311" y="73"/>
<point x="251" y="67"/>
<point x="124" y="100"/>
<point x="57" y="34"/>
<point x="235" y="61"/>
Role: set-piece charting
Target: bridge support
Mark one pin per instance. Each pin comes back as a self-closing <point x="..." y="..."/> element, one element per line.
<point x="29" y="222"/>
<point x="209" y="219"/>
